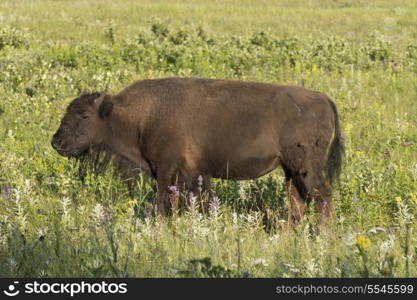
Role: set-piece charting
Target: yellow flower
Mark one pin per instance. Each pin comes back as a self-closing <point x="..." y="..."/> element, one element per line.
<point x="398" y="200"/>
<point x="131" y="202"/>
<point x="314" y="68"/>
<point x="363" y="242"/>
<point x="60" y="168"/>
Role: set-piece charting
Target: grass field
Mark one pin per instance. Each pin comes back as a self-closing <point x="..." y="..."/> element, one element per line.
<point x="363" y="54"/>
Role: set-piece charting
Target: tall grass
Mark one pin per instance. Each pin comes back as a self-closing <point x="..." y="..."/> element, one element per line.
<point x="366" y="60"/>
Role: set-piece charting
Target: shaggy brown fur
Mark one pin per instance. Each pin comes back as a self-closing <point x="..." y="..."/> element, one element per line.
<point x="178" y="129"/>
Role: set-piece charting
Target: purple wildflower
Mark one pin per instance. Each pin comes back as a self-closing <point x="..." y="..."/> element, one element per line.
<point x="6" y="192"/>
<point x="173" y="189"/>
<point x="405" y="144"/>
<point x="50" y="178"/>
<point x="360" y="210"/>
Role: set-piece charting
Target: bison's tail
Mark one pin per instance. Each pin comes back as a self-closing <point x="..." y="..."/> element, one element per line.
<point x="336" y="151"/>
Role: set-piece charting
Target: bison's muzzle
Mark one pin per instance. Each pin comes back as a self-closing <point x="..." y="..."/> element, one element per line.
<point x="56" y="142"/>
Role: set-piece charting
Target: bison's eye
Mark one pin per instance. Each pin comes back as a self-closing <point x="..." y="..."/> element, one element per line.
<point x="85" y="116"/>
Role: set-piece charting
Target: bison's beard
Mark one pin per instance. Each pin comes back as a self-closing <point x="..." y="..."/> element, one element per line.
<point x="94" y="160"/>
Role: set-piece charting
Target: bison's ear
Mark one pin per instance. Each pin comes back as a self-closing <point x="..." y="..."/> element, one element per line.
<point x="105" y="109"/>
<point x="103" y="105"/>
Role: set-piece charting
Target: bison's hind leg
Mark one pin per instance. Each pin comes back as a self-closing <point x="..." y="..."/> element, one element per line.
<point x="306" y="182"/>
<point x="317" y="189"/>
<point x="292" y="162"/>
<point x="298" y="205"/>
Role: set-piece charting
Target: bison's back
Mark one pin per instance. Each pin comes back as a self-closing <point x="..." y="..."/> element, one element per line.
<point x="201" y="91"/>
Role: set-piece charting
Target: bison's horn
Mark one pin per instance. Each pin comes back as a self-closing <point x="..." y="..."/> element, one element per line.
<point x="99" y="100"/>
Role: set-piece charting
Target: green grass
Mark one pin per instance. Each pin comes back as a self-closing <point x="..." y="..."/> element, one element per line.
<point x="363" y="54"/>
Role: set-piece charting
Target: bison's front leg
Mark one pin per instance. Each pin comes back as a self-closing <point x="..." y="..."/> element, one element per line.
<point x="165" y="190"/>
<point x="162" y="199"/>
<point x="172" y="183"/>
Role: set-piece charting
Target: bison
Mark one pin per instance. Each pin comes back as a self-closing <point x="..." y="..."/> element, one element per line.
<point x="185" y="131"/>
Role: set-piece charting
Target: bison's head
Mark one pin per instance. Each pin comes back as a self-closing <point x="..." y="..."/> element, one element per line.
<point x="84" y="125"/>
